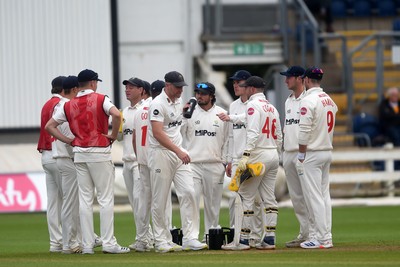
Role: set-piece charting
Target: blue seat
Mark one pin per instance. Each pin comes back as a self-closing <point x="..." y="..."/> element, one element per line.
<point x="386" y="8"/>
<point x="396" y="24"/>
<point x="339" y="8"/>
<point x="308" y="35"/>
<point x="362" y="8"/>
<point x="367" y="124"/>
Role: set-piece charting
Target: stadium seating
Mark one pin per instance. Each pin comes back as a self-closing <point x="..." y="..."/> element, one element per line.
<point x="386" y="8"/>
<point x="339" y="8"/>
<point x="362" y="8"/>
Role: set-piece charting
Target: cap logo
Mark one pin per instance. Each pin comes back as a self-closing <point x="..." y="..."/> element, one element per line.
<point x="303" y="111"/>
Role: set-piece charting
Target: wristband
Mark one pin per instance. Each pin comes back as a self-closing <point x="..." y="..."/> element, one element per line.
<point x="301" y="156"/>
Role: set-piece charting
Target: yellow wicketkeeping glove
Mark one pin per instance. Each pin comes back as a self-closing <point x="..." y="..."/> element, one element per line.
<point x="243" y="161"/>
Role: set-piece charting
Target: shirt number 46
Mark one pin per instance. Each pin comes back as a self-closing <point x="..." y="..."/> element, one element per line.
<point x="270" y="128"/>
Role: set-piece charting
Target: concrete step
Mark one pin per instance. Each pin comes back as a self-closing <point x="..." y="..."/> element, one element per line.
<point x="362" y="86"/>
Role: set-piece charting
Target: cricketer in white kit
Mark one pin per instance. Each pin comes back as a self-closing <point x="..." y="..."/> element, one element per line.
<point x="206" y="139"/>
<point x="263" y="139"/>
<point x="294" y="82"/>
<point x="62" y="153"/>
<point x="237" y="135"/>
<point x="168" y="163"/>
<point x="317" y="121"/>
<point x="130" y="171"/>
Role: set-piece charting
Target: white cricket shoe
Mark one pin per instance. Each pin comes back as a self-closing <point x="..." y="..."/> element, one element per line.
<point x="142" y="246"/>
<point x="164" y="248"/>
<point x="55" y="249"/>
<point x="175" y="246"/>
<point x="132" y="246"/>
<point x="87" y="251"/>
<point x="267" y="243"/>
<point x="97" y="242"/>
<point x="233" y="246"/>
<point x="116" y="249"/>
<point x="194" y="244"/>
<point x="254" y="242"/>
<point x="295" y="243"/>
<point x="75" y="250"/>
<point x="313" y="244"/>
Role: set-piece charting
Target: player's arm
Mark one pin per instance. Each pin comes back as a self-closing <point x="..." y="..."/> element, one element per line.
<point x="163" y="139"/>
<point x="134" y="140"/>
<point x="306" y="118"/>
<point x="115" y="123"/>
<point x="51" y="128"/>
<point x="279" y="134"/>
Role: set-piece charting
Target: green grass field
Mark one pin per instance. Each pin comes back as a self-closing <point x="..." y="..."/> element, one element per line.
<point x="363" y="236"/>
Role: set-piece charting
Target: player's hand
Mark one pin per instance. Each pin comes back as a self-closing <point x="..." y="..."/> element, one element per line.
<point x="228" y="169"/>
<point x="223" y="117"/>
<point x="112" y="138"/>
<point x="242" y="164"/>
<point x="299" y="168"/>
<point x="182" y="155"/>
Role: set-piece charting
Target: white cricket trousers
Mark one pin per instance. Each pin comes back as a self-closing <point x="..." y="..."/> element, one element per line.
<point x="144" y="231"/>
<point x="130" y="172"/>
<point x="166" y="168"/>
<point x="265" y="186"/>
<point x="54" y="203"/>
<point x="254" y="223"/>
<point x="208" y="181"/>
<point x="71" y="229"/>
<point x="315" y="185"/>
<point x="97" y="176"/>
<point x="297" y="195"/>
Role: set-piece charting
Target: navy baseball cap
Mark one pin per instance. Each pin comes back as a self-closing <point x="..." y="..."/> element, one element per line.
<point x="206" y="88"/>
<point x="70" y="82"/>
<point x="134" y="81"/>
<point x="146" y="87"/>
<point x="314" y="73"/>
<point x="157" y="86"/>
<point x="57" y="82"/>
<point x="88" y="75"/>
<point x="240" y="75"/>
<point x="254" y="81"/>
<point x="175" y="78"/>
<point x="293" y="71"/>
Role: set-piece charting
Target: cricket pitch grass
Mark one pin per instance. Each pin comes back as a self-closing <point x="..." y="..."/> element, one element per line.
<point x="362" y="236"/>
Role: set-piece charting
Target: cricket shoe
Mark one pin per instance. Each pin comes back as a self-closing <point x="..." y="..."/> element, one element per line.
<point x="267" y="243"/>
<point x="295" y="243"/>
<point x="314" y="244"/>
<point x="116" y="249"/>
<point x="253" y="242"/>
<point x="142" y="246"/>
<point x="55" y="249"/>
<point x="75" y="250"/>
<point x="132" y="246"/>
<point x="97" y="242"/>
<point x="193" y="244"/>
<point x="175" y="246"/>
<point x="233" y="246"/>
<point x="164" y="248"/>
<point x="87" y="251"/>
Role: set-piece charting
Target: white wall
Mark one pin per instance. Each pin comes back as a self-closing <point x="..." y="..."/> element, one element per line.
<point x="42" y="39"/>
<point x="158" y="36"/>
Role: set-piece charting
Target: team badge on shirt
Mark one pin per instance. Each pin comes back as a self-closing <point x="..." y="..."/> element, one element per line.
<point x="303" y="111"/>
<point x="156" y="112"/>
<point x="250" y="111"/>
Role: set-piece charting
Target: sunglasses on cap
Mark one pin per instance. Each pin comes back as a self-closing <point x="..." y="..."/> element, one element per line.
<point x="202" y="86"/>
